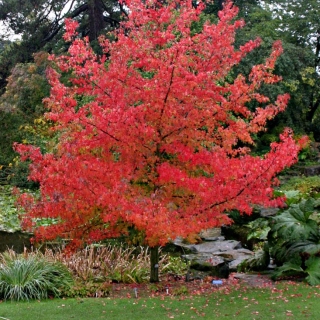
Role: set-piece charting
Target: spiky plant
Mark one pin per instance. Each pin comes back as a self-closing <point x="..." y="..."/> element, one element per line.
<point x="31" y="276"/>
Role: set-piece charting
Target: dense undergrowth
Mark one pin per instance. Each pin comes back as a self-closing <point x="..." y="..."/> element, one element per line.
<point x="291" y="238"/>
<point x="90" y="272"/>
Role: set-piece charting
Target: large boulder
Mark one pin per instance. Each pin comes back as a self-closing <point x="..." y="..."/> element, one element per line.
<point x="210" y="246"/>
<point x="214" y="258"/>
<point x="208" y="263"/>
<point x="312" y="170"/>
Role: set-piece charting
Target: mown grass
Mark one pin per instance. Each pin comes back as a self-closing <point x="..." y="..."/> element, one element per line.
<point x="283" y="301"/>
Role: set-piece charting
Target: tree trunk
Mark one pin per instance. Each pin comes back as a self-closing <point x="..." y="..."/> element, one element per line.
<point x="96" y="18"/>
<point x="220" y="4"/>
<point x="154" y="274"/>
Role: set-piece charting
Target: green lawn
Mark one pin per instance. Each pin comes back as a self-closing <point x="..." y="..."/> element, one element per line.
<point x="294" y="301"/>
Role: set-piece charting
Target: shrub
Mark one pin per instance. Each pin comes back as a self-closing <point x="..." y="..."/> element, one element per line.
<point x="110" y="263"/>
<point x="174" y="266"/>
<point x="293" y="241"/>
<point x="88" y="289"/>
<point x="31" y="276"/>
<point x="307" y="186"/>
<point x="107" y="263"/>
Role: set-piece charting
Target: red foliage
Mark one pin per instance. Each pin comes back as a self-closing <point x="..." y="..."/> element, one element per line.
<point x="150" y="137"/>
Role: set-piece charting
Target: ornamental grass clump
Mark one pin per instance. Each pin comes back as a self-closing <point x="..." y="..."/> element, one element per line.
<point x="31" y="276"/>
<point x="108" y="263"/>
<point x="112" y="263"/>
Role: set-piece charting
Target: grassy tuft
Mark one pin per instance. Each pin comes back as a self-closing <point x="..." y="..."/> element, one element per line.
<point x="31" y="276"/>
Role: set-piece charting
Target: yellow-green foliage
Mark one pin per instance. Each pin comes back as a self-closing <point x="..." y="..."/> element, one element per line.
<point x="305" y="185"/>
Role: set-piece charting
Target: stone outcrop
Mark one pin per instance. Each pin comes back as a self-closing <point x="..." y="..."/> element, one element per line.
<point x="312" y="171"/>
<point x="215" y="256"/>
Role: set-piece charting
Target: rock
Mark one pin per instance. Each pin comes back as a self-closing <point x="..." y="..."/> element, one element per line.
<point x="208" y="262"/>
<point x="268" y="212"/>
<point x="214" y="246"/>
<point x="213" y="258"/>
<point x="239" y="233"/>
<point x="210" y="234"/>
<point x="237" y="257"/>
<point x="221" y="238"/>
<point x="254" y="280"/>
<point x="312" y="171"/>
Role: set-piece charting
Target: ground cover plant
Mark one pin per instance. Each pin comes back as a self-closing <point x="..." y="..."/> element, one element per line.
<point x="277" y="301"/>
<point x="9" y="217"/>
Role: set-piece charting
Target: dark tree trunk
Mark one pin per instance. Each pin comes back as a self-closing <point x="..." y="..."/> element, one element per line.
<point x="220" y="4"/>
<point x="96" y="18"/>
<point x="154" y="274"/>
<point x="312" y="109"/>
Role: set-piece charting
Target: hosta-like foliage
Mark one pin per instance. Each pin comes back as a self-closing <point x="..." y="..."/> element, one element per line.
<point x="295" y="239"/>
<point x="295" y="223"/>
<point x="153" y="134"/>
<point x="311" y="271"/>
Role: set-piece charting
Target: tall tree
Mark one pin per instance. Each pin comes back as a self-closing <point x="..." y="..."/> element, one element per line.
<point x="155" y="138"/>
<point x="21" y="109"/>
<point x="40" y="25"/>
<point x="299" y="24"/>
<point x="260" y="21"/>
<point x="43" y="19"/>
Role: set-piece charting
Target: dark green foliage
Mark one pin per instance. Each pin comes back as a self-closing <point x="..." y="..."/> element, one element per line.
<point x="295" y="233"/>
<point x="242" y="219"/>
<point x="292" y="238"/>
<point x="299" y="234"/>
<point x="17" y="175"/>
<point x="295" y="223"/>
<point x="9" y="133"/>
<point x="298" y="25"/>
<point x="259" y="229"/>
<point x="293" y="268"/>
<point x="41" y="23"/>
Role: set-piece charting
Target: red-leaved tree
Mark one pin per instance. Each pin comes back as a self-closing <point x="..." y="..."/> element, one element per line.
<point x="152" y="134"/>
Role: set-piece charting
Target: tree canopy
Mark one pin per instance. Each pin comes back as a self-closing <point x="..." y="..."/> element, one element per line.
<point x="155" y="137"/>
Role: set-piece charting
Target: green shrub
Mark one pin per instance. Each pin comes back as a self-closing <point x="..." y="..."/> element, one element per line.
<point x="175" y="266"/>
<point x="31" y="276"/>
<point x="9" y="217"/>
<point x="181" y="291"/>
<point x="88" y="289"/>
<point x="293" y="241"/>
<point x="307" y="186"/>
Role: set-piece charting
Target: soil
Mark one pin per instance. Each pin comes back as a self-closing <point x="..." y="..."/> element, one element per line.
<point x="179" y="287"/>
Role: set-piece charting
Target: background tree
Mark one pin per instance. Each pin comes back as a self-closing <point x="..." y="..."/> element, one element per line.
<point x="156" y="137"/>
<point x="39" y="24"/>
<point x="262" y="21"/>
<point x="299" y="25"/>
<point x="21" y="111"/>
<point x="36" y="27"/>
